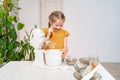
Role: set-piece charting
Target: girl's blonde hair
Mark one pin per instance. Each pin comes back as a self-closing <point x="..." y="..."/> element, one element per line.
<point x="55" y="15"/>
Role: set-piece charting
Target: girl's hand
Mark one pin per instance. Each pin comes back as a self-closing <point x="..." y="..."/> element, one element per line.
<point x="44" y="46"/>
<point x="65" y="50"/>
<point x="49" y="32"/>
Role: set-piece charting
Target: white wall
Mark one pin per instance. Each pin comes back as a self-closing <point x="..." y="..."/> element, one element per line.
<point x="93" y="24"/>
<point x="95" y="28"/>
<point x="29" y="15"/>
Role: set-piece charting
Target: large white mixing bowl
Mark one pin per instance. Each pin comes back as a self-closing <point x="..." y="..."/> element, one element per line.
<point x="53" y="57"/>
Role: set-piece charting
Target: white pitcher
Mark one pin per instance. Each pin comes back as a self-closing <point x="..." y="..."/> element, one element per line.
<point x="39" y="58"/>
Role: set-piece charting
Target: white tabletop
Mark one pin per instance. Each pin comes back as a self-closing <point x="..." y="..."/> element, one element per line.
<point x="24" y="70"/>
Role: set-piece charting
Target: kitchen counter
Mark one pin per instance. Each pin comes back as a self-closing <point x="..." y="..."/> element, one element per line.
<point x="23" y="70"/>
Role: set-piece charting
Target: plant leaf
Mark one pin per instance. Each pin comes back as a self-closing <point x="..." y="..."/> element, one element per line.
<point x="20" y="26"/>
<point x="10" y="18"/>
<point x="2" y="12"/>
<point x="15" y="19"/>
<point x="1" y="60"/>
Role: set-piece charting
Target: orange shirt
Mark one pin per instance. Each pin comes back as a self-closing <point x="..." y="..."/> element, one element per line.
<point x="57" y="37"/>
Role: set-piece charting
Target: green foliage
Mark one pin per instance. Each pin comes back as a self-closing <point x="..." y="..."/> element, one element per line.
<point x="20" y="26"/>
<point x="10" y="48"/>
<point x="26" y="48"/>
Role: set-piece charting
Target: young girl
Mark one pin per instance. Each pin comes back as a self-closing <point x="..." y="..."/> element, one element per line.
<point x="55" y="33"/>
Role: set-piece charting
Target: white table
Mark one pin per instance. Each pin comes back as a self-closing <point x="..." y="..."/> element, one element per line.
<point x="24" y="70"/>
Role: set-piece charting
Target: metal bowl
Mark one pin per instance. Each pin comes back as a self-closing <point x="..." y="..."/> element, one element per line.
<point x="77" y="75"/>
<point x="85" y="60"/>
<point x="71" y="61"/>
<point x="79" y="67"/>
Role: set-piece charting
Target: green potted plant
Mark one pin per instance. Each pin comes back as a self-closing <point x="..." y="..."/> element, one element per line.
<point x="10" y="48"/>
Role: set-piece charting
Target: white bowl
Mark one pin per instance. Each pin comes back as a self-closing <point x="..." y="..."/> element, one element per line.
<point x="53" y="57"/>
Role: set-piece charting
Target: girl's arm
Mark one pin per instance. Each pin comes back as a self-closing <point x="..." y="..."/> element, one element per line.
<point x="65" y="49"/>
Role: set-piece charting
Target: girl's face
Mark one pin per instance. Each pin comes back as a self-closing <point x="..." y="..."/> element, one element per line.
<point x="57" y="25"/>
